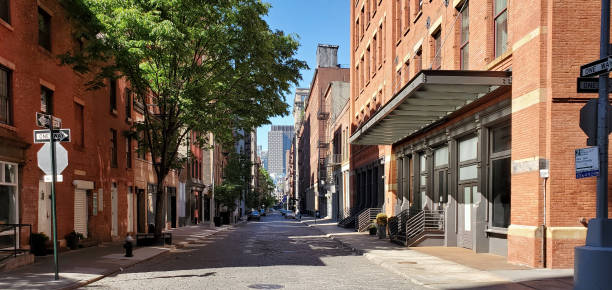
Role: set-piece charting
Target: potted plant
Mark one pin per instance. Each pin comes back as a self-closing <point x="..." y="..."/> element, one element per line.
<point x="38" y="244"/>
<point x="372" y="228"/>
<point x="72" y="240"/>
<point x="381" y="223"/>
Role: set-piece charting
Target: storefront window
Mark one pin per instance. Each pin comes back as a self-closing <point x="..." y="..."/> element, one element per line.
<point x="500" y="176"/>
<point x="8" y="193"/>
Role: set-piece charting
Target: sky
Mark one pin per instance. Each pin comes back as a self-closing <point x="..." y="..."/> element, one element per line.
<point x="314" y="22"/>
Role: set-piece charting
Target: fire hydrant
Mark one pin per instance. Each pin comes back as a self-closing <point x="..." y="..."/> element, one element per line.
<point x="128" y="246"/>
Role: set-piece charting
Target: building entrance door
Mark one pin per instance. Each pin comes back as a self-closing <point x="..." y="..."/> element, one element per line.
<point x="141" y="210"/>
<point x="467" y="193"/>
<point x="44" y="208"/>
<point x="80" y="211"/>
<point x="130" y="210"/>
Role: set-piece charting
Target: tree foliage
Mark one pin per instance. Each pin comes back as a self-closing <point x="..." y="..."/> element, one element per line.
<point x="237" y="175"/>
<point x="205" y="65"/>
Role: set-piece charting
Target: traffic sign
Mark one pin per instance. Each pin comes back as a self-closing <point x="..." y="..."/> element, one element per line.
<point x="44" y="158"/>
<point x="588" y="121"/>
<point x="587" y="162"/>
<point x="49" y="178"/>
<point x="591" y="85"/>
<point x="42" y="120"/>
<point x="44" y="136"/>
<point x="597" y="67"/>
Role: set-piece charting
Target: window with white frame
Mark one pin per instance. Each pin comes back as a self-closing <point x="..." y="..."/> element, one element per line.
<point x="8" y="193"/>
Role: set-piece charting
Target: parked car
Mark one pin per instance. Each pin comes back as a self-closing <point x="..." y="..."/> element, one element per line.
<point x="254" y="215"/>
<point x="290" y="215"/>
<point x="262" y="212"/>
<point x="283" y="212"/>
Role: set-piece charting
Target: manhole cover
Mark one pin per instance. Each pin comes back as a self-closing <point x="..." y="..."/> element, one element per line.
<point x="265" y="286"/>
<point x="407" y="262"/>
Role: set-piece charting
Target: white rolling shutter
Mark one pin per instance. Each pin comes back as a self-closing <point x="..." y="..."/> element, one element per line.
<point x="80" y="211"/>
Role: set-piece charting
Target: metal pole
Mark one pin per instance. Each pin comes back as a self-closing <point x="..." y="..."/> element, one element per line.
<point x="53" y="172"/>
<point x="602" y="114"/>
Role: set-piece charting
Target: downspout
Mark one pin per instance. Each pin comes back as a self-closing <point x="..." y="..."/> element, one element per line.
<point x="544" y="223"/>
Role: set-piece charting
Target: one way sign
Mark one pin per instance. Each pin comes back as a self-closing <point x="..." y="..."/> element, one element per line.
<point x="597" y="67"/>
<point x="44" y="136"/>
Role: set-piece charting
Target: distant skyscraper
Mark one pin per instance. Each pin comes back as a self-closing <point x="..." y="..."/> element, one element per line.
<point x="279" y="141"/>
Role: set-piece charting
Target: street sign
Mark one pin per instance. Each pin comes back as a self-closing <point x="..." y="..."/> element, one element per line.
<point x="44" y="136"/>
<point x="591" y="85"/>
<point x="588" y="121"/>
<point x="587" y="162"/>
<point x="42" y="120"/>
<point x="58" y="178"/>
<point x="597" y="67"/>
<point x="44" y="158"/>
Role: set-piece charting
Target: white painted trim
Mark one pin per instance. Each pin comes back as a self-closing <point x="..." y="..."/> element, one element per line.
<point x="418" y="46"/>
<point x="83" y="184"/>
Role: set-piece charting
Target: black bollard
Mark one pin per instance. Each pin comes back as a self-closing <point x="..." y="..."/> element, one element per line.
<point x="128" y="246"/>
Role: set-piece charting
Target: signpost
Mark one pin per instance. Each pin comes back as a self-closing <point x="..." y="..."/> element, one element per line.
<point x="593" y="261"/>
<point x="597" y="67"/>
<point x="43" y="120"/>
<point x="52" y="159"/>
<point x="590" y="85"/>
<point x="587" y="162"/>
<point x="44" y="136"/>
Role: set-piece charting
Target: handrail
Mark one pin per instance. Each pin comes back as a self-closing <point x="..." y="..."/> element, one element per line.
<point x="366" y="217"/>
<point x="16" y="234"/>
<point x="424" y="221"/>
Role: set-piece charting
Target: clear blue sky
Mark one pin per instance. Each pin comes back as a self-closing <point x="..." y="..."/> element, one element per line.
<point x="314" y="22"/>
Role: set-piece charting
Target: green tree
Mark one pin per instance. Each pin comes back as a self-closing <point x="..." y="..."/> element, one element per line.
<point x="237" y="174"/>
<point x="206" y="66"/>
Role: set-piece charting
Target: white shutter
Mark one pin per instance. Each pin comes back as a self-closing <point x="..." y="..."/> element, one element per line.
<point x="80" y="212"/>
<point x="130" y="213"/>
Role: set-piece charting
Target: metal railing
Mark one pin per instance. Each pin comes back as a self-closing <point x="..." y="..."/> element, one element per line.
<point x="348" y="216"/>
<point x="397" y="226"/>
<point x="423" y="222"/>
<point x="9" y="238"/>
<point x="365" y="218"/>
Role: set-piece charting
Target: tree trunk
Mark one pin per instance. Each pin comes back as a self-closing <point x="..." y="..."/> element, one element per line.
<point x="160" y="211"/>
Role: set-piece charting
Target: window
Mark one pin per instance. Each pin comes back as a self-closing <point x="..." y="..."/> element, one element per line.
<point x="8" y="193"/>
<point x="398" y="19"/>
<point x="374" y="55"/>
<point x="46" y="100"/>
<point x="501" y="27"/>
<point x="406" y="72"/>
<point x="418" y="61"/>
<point x="5" y="95"/>
<point x="128" y="152"/>
<point x="357" y="82"/>
<point x="113" y="148"/>
<point x="468" y="155"/>
<point x="367" y="67"/>
<point x="128" y="104"/>
<point x="419" y="6"/>
<point x="44" y="29"/>
<point x="5" y="12"/>
<point x="465" y="37"/>
<point x="440" y="174"/>
<point x="406" y="18"/>
<point x="141" y="149"/>
<point x="356" y="32"/>
<point x="423" y="179"/>
<point x="113" y="95"/>
<point x="500" y="138"/>
<point x="437" y="51"/>
<point x="362" y="31"/>
<point x="380" y="46"/>
<point x="374" y="6"/>
<point x="398" y="80"/>
<point x="79" y="126"/>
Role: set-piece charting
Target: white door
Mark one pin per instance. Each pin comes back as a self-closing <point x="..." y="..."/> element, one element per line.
<point x="44" y="208"/>
<point x="80" y="211"/>
<point x="114" y="230"/>
<point x="130" y="210"/>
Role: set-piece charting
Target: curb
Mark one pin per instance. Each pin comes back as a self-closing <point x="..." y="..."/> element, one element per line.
<point x="112" y="272"/>
<point x="344" y="244"/>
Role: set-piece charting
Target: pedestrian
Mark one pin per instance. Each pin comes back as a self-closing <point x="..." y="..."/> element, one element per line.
<point x="299" y="214"/>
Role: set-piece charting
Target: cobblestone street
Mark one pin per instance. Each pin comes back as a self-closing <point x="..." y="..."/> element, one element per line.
<point x="274" y="253"/>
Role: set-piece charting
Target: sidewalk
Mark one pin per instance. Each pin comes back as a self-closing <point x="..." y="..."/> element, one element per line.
<point x="445" y="267"/>
<point x="83" y="266"/>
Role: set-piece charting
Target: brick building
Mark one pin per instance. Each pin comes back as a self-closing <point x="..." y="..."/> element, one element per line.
<point x="108" y="187"/>
<point x="464" y="102"/>
<point x="313" y="141"/>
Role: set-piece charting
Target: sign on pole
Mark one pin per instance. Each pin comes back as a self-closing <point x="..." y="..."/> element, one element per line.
<point x="597" y="67"/>
<point x="44" y="136"/>
<point x="587" y="162"/>
<point x="590" y="85"/>
<point x="42" y="120"/>
<point x="44" y="159"/>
